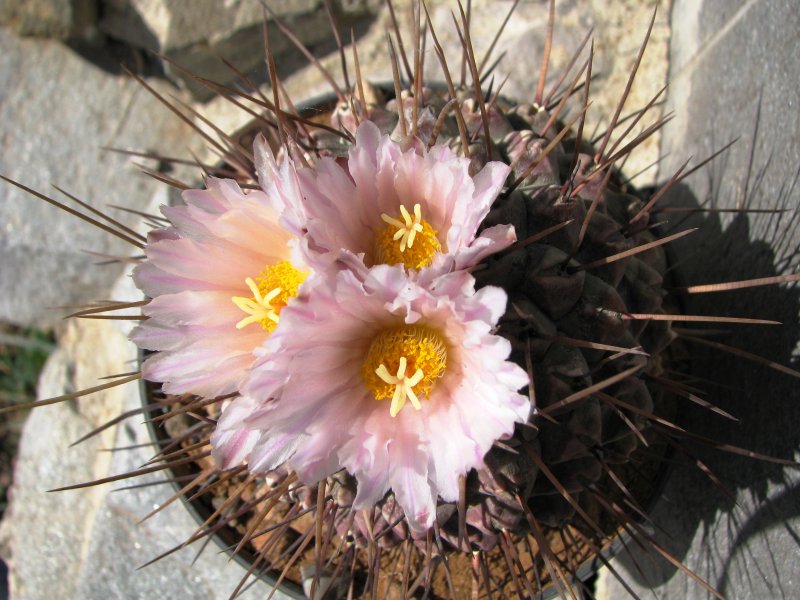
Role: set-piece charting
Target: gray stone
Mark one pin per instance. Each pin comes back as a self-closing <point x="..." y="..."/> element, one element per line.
<point x="195" y="35"/>
<point x="176" y="25"/>
<point x="58" y="111"/>
<point x="735" y="73"/>
<point x="60" y="19"/>
<point x="45" y="534"/>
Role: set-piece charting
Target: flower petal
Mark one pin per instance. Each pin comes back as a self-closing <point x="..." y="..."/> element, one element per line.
<point x="339" y="210"/>
<point x="193" y="269"/>
<point x="314" y="403"/>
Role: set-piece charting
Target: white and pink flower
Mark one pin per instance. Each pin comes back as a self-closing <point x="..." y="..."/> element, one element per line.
<point x="212" y="278"/>
<point x="386" y="204"/>
<point x="404" y="386"/>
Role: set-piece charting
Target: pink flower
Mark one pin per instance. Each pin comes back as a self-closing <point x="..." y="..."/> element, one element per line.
<point x="387" y="205"/>
<point x="212" y="279"/>
<point x="404" y="386"/>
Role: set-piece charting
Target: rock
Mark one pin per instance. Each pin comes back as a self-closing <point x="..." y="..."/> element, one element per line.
<point x="171" y="26"/>
<point x="60" y="19"/>
<point x="195" y="35"/>
<point x="61" y="522"/>
<point x="58" y="111"/>
<point x="734" y="74"/>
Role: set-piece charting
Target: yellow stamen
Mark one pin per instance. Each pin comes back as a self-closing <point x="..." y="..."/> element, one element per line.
<point x="275" y="286"/>
<point x="414" y="349"/>
<point x="407" y="231"/>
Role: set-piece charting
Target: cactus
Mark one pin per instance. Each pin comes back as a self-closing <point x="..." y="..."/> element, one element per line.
<point x="587" y="319"/>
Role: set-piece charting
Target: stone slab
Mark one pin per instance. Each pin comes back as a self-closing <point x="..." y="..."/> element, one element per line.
<point x="195" y="35"/>
<point x="167" y="26"/>
<point x="45" y="533"/>
<point x="58" y="111"/>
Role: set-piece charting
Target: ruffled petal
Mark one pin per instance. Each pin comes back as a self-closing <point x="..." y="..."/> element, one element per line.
<point x="230" y="442"/>
<point x="152" y="335"/>
<point x="281" y="185"/>
<point x="272" y="450"/>
<point x="490" y="241"/>
<point x="409" y="458"/>
<point x="188" y="307"/>
<point x="193" y="269"/>
<point x="154" y="281"/>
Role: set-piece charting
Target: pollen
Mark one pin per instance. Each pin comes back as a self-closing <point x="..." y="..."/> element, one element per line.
<point x="404" y="364"/>
<point x="270" y="293"/>
<point x="407" y="239"/>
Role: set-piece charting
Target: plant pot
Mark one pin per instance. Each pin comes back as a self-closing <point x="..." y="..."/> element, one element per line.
<point x="643" y="476"/>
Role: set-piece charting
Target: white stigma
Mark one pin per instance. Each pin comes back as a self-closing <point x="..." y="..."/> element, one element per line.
<point x="403" y="385"/>
<point x="406" y="232"/>
<point x="258" y="307"/>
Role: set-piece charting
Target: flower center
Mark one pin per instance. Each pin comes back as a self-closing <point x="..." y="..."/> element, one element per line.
<point x="406" y="239"/>
<point x="271" y="292"/>
<point x="404" y="363"/>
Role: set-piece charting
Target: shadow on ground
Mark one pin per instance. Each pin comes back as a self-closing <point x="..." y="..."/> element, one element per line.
<point x="716" y="496"/>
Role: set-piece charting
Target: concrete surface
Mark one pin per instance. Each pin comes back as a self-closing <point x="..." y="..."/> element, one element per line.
<point x="734" y="73"/>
